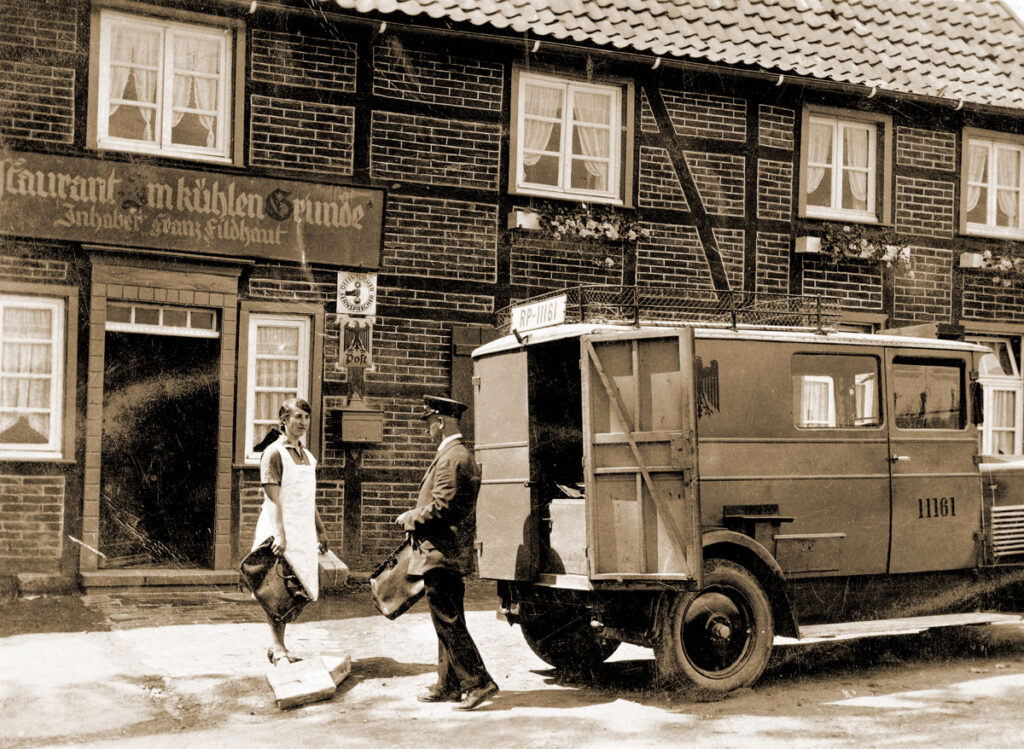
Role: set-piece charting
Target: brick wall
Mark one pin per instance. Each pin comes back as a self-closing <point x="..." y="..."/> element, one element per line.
<point x="924" y="206"/>
<point x="658" y="186"/>
<point x="436" y="238"/>
<point x="406" y="443"/>
<point x="293" y="285"/>
<point x="290" y="134"/>
<point x="409" y="352"/>
<point x="720" y="180"/>
<point x="31" y="522"/>
<point x="320" y="62"/>
<point x="411" y="73"/>
<point x="987" y="299"/>
<point x="925" y="149"/>
<point x="545" y="263"/>
<point x="37" y="79"/>
<point x="774" y="189"/>
<point x="702" y="115"/>
<point x="773" y="253"/>
<point x="673" y="257"/>
<point x="19" y="267"/>
<point x="857" y="284"/>
<point x="382" y="502"/>
<point x="410" y="148"/>
<point x="927" y="295"/>
<point x="730" y="247"/>
<point x="776" y="127"/>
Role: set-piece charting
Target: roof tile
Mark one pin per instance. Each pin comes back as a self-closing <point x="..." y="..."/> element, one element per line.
<point x="970" y="49"/>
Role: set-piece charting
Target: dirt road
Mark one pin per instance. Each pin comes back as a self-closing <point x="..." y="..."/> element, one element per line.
<point x="142" y="674"/>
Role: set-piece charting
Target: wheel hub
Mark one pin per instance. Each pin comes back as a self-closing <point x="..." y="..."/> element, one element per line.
<point x="717" y="632"/>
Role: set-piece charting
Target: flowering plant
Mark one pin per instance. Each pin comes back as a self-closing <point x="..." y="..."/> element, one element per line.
<point x="1005" y="265"/>
<point x="582" y="221"/>
<point x="854" y="242"/>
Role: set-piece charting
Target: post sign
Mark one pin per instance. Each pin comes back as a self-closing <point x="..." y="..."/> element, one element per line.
<point x="356" y="342"/>
<point x="539" y="314"/>
<point x="140" y="205"/>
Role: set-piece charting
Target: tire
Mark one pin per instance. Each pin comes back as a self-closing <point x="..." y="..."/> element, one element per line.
<point x="717" y="639"/>
<point x="564" y="639"/>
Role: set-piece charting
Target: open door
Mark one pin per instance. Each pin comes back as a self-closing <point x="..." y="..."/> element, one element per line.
<point x="506" y="532"/>
<point x="640" y="455"/>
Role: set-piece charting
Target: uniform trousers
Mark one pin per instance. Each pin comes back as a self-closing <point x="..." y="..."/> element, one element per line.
<point x="459" y="665"/>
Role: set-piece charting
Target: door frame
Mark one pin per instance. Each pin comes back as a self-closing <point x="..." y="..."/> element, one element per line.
<point x="159" y="281"/>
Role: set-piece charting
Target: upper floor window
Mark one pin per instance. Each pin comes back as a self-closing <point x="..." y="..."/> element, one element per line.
<point x="844" y="173"/>
<point x="569" y="140"/>
<point x="31" y="376"/>
<point x="164" y="87"/>
<point x="993" y="198"/>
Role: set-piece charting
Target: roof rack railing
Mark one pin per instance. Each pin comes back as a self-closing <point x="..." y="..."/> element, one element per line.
<point x="636" y="305"/>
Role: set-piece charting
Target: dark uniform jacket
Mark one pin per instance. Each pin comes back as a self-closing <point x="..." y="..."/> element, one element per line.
<point x="444" y="523"/>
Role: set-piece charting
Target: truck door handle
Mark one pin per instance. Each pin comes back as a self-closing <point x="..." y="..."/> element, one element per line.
<point x="898" y="458"/>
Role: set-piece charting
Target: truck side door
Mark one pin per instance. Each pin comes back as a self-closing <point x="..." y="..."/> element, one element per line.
<point x="936" y="484"/>
<point x="640" y="455"/>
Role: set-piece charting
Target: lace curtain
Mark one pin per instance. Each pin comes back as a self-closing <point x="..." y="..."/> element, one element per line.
<point x="855" y="154"/>
<point x="820" y="153"/>
<point x="26" y="363"/>
<point x="1004" y="407"/>
<point x="590" y="115"/>
<point x="1008" y="176"/>
<point x="196" y="75"/>
<point x="135" y="56"/>
<point x="541" y="101"/>
<point x="976" y="173"/>
<point x="277" y="373"/>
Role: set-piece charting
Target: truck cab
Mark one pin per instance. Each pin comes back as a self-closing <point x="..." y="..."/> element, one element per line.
<point x="700" y="486"/>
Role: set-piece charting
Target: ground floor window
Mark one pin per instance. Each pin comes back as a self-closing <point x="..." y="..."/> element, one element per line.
<point x="32" y="342"/>
<point x="1000" y="376"/>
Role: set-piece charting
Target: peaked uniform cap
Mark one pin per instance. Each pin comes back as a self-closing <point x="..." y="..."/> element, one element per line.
<point x="437" y="404"/>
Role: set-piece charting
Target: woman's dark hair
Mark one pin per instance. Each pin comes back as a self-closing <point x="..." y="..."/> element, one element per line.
<point x="293" y="404"/>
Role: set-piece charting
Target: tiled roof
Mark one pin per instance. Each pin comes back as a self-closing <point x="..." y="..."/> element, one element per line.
<point x="970" y="50"/>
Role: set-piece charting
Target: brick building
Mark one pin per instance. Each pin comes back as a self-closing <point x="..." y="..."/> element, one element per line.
<point x="206" y="206"/>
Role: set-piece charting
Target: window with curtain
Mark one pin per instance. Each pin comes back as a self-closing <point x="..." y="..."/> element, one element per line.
<point x="31" y="376"/>
<point x="568" y="138"/>
<point x="993" y="198"/>
<point x="835" y="391"/>
<point x="278" y="368"/>
<point x="164" y="87"/>
<point x="999" y="374"/>
<point x="841" y="171"/>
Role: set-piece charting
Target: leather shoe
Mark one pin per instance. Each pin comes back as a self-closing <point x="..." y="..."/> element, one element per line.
<point x="439" y="695"/>
<point x="476" y="696"/>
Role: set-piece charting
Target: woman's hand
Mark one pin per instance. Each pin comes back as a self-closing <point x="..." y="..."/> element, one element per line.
<point x="279" y="545"/>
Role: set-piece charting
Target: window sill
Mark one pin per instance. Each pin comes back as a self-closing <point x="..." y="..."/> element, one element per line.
<point x="992" y="232"/>
<point x="112" y="147"/>
<point x="850" y="218"/>
<point x="568" y="196"/>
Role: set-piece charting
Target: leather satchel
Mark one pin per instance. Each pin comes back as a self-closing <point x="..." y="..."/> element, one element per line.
<point x="273" y="583"/>
<point x="394" y="590"/>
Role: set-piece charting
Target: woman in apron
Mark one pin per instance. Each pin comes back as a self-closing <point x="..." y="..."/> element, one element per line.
<point x="288" y="476"/>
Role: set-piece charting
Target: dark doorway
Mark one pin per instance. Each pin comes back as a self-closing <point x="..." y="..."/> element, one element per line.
<point x="159" y="452"/>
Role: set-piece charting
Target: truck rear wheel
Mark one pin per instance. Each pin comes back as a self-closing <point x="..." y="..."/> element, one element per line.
<point x="564" y="639"/>
<point x="716" y="639"/>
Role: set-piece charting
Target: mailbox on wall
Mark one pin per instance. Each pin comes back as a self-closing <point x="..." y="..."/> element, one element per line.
<point x="357" y="423"/>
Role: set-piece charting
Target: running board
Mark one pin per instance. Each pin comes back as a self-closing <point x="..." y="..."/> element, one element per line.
<point x="885" y="627"/>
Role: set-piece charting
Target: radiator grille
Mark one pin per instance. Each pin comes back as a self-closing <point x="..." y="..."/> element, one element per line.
<point x="1008" y="530"/>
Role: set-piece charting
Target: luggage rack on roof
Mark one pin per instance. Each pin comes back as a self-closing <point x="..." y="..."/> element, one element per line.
<point x="634" y="305"/>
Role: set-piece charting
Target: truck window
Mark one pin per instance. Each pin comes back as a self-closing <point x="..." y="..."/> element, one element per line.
<point x="833" y="391"/>
<point x="928" y="394"/>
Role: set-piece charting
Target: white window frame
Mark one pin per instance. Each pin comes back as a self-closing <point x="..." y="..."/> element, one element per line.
<point x="994" y="143"/>
<point x="619" y="153"/>
<point x="838" y="171"/>
<point x="58" y="307"/>
<point x="304" y="325"/>
<point x="1011" y="382"/>
<point x="225" y="112"/>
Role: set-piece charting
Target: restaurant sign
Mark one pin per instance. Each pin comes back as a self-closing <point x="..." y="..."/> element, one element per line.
<point x="88" y="200"/>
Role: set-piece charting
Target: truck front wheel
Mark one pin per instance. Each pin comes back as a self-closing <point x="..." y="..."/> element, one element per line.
<point x="716" y="639"/>
<point x="564" y="639"/>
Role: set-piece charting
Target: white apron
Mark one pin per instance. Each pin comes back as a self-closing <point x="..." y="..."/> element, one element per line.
<point x="298" y="512"/>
